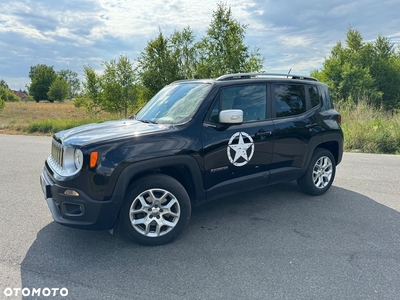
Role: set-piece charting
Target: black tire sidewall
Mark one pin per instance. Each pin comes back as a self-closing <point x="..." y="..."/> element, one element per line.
<point x="306" y="181"/>
<point x="162" y="182"/>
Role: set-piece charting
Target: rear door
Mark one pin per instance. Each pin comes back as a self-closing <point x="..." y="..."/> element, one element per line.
<point x="294" y="127"/>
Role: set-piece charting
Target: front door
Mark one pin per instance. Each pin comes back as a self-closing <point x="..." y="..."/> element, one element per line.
<point x="238" y="157"/>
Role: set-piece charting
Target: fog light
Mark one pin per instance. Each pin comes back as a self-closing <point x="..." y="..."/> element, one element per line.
<point x="71" y="193"/>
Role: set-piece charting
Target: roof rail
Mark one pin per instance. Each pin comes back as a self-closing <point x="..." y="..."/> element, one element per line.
<point x="259" y="75"/>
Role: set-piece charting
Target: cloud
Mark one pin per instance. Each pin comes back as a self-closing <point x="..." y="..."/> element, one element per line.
<point x="72" y="33"/>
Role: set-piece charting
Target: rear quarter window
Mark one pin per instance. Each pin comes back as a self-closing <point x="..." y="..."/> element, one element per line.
<point x="314" y="96"/>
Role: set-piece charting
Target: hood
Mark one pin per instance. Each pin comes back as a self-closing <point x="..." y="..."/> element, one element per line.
<point x="96" y="132"/>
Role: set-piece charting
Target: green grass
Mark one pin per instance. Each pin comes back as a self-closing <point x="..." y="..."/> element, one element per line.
<point x="51" y="126"/>
<point x="370" y="130"/>
<point x="44" y="118"/>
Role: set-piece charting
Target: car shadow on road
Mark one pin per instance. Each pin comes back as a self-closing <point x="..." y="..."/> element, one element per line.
<point x="246" y="247"/>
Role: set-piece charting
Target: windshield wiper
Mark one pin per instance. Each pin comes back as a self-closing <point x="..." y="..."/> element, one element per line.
<point x="147" y="121"/>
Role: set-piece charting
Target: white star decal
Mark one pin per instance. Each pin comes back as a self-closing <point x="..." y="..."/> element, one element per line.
<point x="241" y="149"/>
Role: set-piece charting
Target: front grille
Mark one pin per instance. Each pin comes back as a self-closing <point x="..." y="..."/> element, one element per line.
<point x="57" y="153"/>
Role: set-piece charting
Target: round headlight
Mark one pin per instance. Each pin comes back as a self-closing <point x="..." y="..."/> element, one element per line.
<point x="78" y="159"/>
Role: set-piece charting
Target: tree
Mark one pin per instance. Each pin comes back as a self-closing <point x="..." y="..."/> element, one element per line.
<point x="363" y="71"/>
<point x="91" y="97"/>
<point x="72" y="79"/>
<point x="42" y="77"/>
<point x="119" y="86"/>
<point x="59" y="89"/>
<point x="3" y="84"/>
<point x="8" y="96"/>
<point x="385" y="70"/>
<point x="158" y="64"/>
<point x="183" y="53"/>
<point x="223" y="50"/>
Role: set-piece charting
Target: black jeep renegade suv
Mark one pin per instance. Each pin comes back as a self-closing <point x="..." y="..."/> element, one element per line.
<point x="196" y="140"/>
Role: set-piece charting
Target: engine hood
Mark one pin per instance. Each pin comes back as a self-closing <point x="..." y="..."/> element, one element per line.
<point x="96" y="132"/>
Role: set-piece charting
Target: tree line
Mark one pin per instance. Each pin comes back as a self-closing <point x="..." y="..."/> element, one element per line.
<point x="355" y="71"/>
<point x="363" y="71"/>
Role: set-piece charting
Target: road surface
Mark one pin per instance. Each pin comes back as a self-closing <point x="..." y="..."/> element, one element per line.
<point x="273" y="243"/>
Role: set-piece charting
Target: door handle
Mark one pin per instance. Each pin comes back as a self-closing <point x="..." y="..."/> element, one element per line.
<point x="263" y="133"/>
<point x="310" y="125"/>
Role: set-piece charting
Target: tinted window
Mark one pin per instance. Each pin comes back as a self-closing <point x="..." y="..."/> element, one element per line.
<point x="326" y="99"/>
<point x="290" y="99"/>
<point x="314" y="95"/>
<point x="251" y="99"/>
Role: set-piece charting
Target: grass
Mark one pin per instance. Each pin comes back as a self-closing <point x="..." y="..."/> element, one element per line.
<point x="44" y="118"/>
<point x="365" y="129"/>
<point x="370" y="130"/>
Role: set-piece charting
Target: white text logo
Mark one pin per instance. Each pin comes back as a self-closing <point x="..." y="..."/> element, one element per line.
<point x="39" y="292"/>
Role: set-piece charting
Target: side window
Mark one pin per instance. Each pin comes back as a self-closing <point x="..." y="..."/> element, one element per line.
<point x="251" y="99"/>
<point x="290" y="99"/>
<point x="314" y="95"/>
<point x="326" y="99"/>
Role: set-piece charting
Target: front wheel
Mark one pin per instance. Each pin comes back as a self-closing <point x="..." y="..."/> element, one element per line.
<point x="320" y="173"/>
<point x="156" y="210"/>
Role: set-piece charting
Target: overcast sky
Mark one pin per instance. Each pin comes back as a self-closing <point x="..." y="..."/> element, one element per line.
<point x="68" y="34"/>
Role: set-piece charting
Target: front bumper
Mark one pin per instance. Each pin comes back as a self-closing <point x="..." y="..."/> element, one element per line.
<point x="77" y="211"/>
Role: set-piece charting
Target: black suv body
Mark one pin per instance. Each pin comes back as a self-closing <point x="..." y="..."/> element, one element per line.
<point x="194" y="141"/>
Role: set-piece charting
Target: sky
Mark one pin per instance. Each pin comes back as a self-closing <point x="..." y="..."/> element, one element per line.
<point x="69" y="34"/>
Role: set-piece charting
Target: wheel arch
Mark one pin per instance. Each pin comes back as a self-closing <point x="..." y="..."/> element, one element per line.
<point x="333" y="147"/>
<point x="184" y="169"/>
<point x="180" y="172"/>
<point x="331" y="141"/>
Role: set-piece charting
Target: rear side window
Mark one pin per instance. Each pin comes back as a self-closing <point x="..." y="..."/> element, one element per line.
<point x="290" y="99"/>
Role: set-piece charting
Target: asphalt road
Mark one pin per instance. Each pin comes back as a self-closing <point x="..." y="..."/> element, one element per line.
<point x="273" y="243"/>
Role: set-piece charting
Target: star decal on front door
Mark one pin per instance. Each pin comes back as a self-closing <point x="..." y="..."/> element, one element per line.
<point x="243" y="149"/>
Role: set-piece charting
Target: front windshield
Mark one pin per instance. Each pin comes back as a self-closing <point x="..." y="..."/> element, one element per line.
<point x="174" y="104"/>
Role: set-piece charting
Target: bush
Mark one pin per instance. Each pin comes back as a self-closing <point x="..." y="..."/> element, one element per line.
<point x="2" y="103"/>
<point x="8" y="95"/>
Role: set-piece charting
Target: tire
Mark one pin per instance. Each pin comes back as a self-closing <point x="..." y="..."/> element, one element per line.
<point x="320" y="173"/>
<point x="156" y="210"/>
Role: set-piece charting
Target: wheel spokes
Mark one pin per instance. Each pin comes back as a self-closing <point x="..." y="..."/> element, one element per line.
<point x="322" y="172"/>
<point x="154" y="212"/>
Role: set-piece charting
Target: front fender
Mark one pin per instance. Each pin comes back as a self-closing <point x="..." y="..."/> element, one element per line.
<point x="117" y="191"/>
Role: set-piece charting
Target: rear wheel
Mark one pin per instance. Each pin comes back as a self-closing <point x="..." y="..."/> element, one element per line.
<point x="156" y="210"/>
<point x="320" y="173"/>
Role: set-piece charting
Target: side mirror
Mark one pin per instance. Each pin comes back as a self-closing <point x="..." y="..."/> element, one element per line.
<point x="231" y="116"/>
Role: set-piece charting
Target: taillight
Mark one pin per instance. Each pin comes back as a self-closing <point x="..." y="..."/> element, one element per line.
<point x="339" y="119"/>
